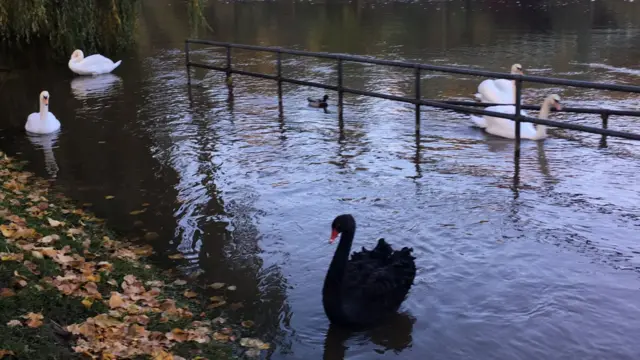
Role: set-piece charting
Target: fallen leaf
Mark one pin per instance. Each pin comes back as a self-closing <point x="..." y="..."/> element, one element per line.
<point x="217" y="285"/>
<point x="253" y="343"/>
<point x="179" y="282"/>
<point x="161" y="355"/>
<point x="54" y="223"/>
<point x="138" y="212"/>
<point x="109" y="197"/>
<point x="6" y="292"/>
<point x="87" y="303"/>
<point x="115" y="301"/>
<point x="145" y="204"/>
<point x="247" y="323"/>
<point x="151" y="236"/>
<point x="34" y="320"/>
<point x="4" y="353"/>
<point x="177" y="335"/>
<point x="11" y="256"/>
<point x="217" y="301"/>
<point x="220" y="337"/>
<point x="49" y="239"/>
<point x="232" y="288"/>
<point x="236" y="306"/>
<point x="13" y="323"/>
<point x="32" y="267"/>
<point x="176" y="256"/>
<point x="190" y="294"/>
<point x="37" y="254"/>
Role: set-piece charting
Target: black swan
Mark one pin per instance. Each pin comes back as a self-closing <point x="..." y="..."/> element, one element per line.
<point x="365" y="290"/>
<point x="319" y="103"/>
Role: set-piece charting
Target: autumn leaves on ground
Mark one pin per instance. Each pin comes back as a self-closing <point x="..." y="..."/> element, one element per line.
<point x="69" y="290"/>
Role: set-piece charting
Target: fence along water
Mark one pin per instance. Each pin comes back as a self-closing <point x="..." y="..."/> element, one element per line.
<point x="468" y="107"/>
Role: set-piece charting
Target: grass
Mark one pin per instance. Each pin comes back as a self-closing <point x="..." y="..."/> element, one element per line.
<point x="69" y="291"/>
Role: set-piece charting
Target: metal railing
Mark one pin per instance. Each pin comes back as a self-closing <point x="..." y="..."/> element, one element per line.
<point x="469" y="107"/>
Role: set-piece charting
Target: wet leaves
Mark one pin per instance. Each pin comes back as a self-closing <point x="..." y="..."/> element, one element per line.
<point x="80" y="264"/>
<point x="4" y="353"/>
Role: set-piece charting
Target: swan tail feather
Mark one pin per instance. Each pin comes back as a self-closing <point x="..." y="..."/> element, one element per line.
<point x="116" y="64"/>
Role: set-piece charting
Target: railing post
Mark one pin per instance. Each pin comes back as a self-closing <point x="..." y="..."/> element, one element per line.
<point x="418" y="95"/>
<point x="518" y="115"/>
<point x="516" y="150"/>
<point x="187" y="61"/>
<point x="279" y="70"/>
<point x="340" y="91"/>
<point x="229" y="79"/>
<point x="605" y="125"/>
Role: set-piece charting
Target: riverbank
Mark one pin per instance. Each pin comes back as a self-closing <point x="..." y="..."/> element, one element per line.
<point x="70" y="289"/>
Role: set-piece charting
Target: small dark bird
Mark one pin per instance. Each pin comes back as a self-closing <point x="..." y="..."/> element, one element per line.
<point x="318" y="103"/>
<point x="368" y="288"/>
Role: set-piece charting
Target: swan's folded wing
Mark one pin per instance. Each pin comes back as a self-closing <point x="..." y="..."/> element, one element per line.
<point x="494" y="94"/>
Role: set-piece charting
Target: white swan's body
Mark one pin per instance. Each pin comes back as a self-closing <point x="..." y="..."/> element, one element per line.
<point x="43" y="122"/>
<point x="507" y="128"/>
<point x="91" y="65"/>
<point x="500" y="91"/>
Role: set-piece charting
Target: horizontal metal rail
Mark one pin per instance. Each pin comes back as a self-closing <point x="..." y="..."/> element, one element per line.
<point x="469" y="107"/>
<point x="438" y="68"/>
<point x="564" y="109"/>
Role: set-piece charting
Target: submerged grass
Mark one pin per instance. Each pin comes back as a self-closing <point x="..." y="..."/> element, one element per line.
<point x="67" y="290"/>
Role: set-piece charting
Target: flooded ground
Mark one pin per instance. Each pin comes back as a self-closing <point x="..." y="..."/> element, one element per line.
<point x="546" y="268"/>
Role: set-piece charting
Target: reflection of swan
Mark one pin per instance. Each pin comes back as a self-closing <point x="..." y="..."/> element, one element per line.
<point x="500" y="91"/>
<point x="91" y="65"/>
<point x="506" y="128"/>
<point x="46" y="143"/>
<point x="369" y="287"/>
<point x="393" y="335"/>
<point x="84" y="87"/>
<point x="43" y="122"/>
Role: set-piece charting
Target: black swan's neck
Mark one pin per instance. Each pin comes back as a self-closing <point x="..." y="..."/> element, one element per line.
<point x="332" y="291"/>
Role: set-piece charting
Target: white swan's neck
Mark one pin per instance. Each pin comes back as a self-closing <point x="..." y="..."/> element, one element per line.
<point x="44" y="110"/>
<point x="515" y="95"/>
<point x="545" y="109"/>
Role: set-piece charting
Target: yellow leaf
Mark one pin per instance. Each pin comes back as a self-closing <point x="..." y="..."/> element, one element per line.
<point x="190" y="294"/>
<point x="109" y="197"/>
<point x="37" y="254"/>
<point x="232" y="288"/>
<point x="179" y="282"/>
<point x="49" y="239"/>
<point x="11" y="257"/>
<point x="217" y="285"/>
<point x="87" y="303"/>
<point x="176" y="256"/>
<point x="161" y="355"/>
<point x="138" y="212"/>
<point x="54" y="223"/>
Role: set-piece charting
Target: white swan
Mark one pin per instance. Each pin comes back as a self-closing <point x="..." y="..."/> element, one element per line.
<point x="500" y="91"/>
<point x="43" y="122"/>
<point x="506" y="128"/>
<point x="91" y="65"/>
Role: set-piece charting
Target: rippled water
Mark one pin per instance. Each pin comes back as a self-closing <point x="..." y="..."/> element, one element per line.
<point x="545" y="266"/>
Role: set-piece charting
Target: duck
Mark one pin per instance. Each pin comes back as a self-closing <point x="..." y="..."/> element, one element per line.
<point x="91" y="65"/>
<point x="369" y="288"/>
<point x="499" y="91"/>
<point x="319" y="103"/>
<point x="43" y="122"/>
<point x="506" y="128"/>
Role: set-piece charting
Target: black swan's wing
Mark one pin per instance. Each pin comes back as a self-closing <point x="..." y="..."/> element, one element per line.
<point x="377" y="281"/>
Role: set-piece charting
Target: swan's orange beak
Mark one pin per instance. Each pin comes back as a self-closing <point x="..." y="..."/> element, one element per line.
<point x="558" y="106"/>
<point x="334" y="235"/>
<point x="46" y="101"/>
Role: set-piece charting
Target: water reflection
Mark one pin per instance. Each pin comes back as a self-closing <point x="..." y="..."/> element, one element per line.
<point x="85" y="87"/>
<point x="394" y="335"/>
<point x="46" y="142"/>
